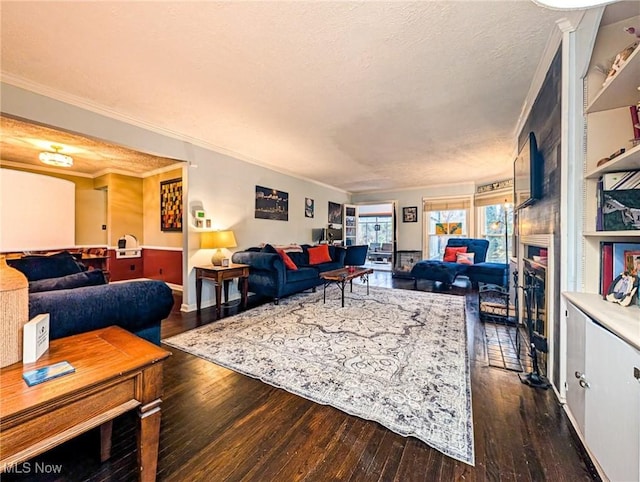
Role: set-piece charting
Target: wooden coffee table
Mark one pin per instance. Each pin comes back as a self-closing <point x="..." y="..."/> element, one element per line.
<point x="341" y="276"/>
<point x="115" y="372"/>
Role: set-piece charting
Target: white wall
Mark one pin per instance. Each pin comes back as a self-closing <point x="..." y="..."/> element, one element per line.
<point x="27" y="220"/>
<point x="410" y="235"/>
<point x="224" y="188"/>
<point x="222" y="185"/>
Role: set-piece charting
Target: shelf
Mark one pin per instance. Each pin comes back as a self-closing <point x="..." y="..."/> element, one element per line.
<point x="632" y="233"/>
<point x="629" y="161"/>
<point x="621" y="90"/>
<point x="623" y="321"/>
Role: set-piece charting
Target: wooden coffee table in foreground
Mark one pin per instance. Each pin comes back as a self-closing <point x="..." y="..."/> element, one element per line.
<point x="341" y="276"/>
<point x="115" y="372"/>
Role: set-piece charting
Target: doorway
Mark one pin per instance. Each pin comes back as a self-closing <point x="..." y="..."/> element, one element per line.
<point x="377" y="229"/>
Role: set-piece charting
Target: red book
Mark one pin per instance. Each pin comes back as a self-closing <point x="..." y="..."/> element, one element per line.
<point x="635" y="121"/>
<point x="606" y="268"/>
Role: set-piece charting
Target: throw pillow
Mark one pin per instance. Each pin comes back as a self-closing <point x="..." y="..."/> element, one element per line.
<point x="267" y="248"/>
<point x="465" y="258"/>
<point x="77" y="280"/>
<point x="288" y="262"/>
<point x="319" y="254"/>
<point x="450" y="253"/>
<point x="41" y="267"/>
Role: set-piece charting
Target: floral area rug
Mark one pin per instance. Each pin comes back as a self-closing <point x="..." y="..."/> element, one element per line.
<point x="395" y="356"/>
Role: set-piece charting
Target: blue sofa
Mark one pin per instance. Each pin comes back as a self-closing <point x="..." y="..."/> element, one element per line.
<point x="79" y="301"/>
<point x="480" y="272"/>
<point x="269" y="277"/>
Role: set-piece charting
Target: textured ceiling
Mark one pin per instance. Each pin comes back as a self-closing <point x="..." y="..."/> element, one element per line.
<point x="359" y="95"/>
<point x="22" y="142"/>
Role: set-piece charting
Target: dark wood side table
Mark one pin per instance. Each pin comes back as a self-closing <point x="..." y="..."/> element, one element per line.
<point x="115" y="372"/>
<point x="222" y="275"/>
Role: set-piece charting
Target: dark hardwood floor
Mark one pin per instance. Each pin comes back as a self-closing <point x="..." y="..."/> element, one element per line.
<point x="218" y="425"/>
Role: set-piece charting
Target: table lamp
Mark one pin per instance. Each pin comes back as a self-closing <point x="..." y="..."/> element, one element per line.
<point x="218" y="240"/>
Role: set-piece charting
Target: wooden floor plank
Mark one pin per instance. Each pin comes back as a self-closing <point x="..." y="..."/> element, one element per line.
<point x="221" y="425"/>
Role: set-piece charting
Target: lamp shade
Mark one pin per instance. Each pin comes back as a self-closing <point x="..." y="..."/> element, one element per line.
<point x="218" y="239"/>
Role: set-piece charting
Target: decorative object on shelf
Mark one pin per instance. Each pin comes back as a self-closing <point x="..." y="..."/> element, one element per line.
<point x="56" y="158"/>
<point x="620" y="199"/>
<point x="308" y="207"/>
<point x="612" y="156"/>
<point x="632" y="262"/>
<point x="171" y="205"/>
<point x="199" y="214"/>
<point x="271" y="204"/>
<point x="410" y="214"/>
<point x="218" y="240"/>
<point x="14" y="312"/>
<point x="335" y="213"/>
<point x="623" y="289"/>
<point x="619" y="62"/>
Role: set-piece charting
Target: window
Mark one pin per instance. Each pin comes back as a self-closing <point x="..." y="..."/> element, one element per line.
<point x="491" y="220"/>
<point x="445" y="219"/>
<point x="442" y="226"/>
<point x="375" y="230"/>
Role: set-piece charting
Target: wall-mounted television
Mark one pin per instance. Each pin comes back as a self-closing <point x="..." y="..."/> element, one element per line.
<point x="527" y="174"/>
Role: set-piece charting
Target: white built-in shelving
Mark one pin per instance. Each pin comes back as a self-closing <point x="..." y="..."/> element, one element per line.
<point x="603" y="338"/>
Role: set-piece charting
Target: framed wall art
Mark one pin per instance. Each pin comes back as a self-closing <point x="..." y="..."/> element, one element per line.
<point x="308" y="207"/>
<point x="171" y="205"/>
<point x="335" y="213"/>
<point x="271" y="204"/>
<point x="410" y="215"/>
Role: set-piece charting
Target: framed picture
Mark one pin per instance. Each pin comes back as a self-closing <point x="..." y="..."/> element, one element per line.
<point x="410" y="214"/>
<point x="308" y="207"/>
<point x="632" y="262"/>
<point x="335" y="213"/>
<point x="171" y="205"/>
<point x="271" y="204"/>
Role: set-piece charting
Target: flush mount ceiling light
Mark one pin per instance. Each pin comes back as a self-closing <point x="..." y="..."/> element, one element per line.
<point x="572" y="4"/>
<point x="55" y="158"/>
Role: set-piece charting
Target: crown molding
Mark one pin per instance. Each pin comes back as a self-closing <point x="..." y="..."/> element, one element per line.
<point x="162" y="170"/>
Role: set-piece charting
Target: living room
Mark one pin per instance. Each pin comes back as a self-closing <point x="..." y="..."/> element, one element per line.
<point x="221" y="181"/>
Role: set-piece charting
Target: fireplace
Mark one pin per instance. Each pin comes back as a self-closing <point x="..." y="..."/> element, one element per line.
<point x="535" y="302"/>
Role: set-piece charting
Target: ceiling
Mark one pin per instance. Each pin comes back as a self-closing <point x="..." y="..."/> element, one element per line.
<point x="21" y="142"/>
<point x="362" y="96"/>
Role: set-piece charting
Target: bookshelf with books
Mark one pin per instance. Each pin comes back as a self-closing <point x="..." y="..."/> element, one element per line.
<point x="601" y="362"/>
<point x="609" y="128"/>
<point x="350" y="216"/>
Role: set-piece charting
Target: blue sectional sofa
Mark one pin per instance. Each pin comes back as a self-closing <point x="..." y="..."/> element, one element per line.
<point x="269" y="277"/>
<point x="79" y="301"/>
<point x="479" y="272"/>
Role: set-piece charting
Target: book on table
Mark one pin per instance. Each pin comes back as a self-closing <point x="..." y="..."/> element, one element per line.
<point x="49" y="372"/>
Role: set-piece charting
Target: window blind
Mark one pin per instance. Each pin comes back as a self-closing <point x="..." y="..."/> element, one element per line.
<point x="446" y="204"/>
<point x="492" y="198"/>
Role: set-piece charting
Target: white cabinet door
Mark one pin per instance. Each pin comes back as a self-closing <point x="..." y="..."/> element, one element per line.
<point x="612" y="415"/>
<point x="575" y="395"/>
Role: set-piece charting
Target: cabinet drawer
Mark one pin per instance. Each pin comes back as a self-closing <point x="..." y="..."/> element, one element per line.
<point x="20" y="433"/>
